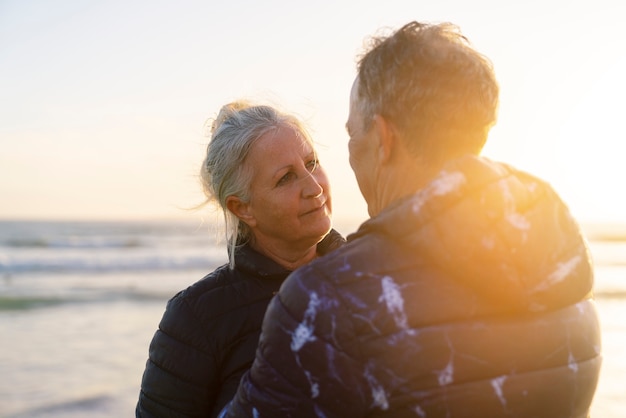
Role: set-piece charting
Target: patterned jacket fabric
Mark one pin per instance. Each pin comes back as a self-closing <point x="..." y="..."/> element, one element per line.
<point x="471" y="298"/>
<point x="208" y="336"/>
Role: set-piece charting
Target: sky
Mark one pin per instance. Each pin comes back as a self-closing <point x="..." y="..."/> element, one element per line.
<point x="103" y="105"/>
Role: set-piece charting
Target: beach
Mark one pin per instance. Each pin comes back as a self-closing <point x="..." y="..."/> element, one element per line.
<point x="80" y="301"/>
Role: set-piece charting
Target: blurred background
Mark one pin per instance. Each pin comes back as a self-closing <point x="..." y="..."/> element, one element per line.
<point x="103" y="111"/>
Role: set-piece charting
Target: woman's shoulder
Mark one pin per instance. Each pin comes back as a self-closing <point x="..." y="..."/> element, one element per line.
<point x="222" y="276"/>
<point x="222" y="291"/>
<point x="215" y="282"/>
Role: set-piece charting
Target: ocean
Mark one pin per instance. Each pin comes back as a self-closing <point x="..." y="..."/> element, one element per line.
<point x="80" y="301"/>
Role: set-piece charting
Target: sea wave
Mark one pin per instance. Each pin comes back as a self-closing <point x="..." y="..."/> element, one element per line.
<point x="610" y="294"/>
<point x="10" y="267"/>
<point x="73" y="242"/>
<point x="605" y="232"/>
<point x="26" y="303"/>
<point x="102" y="235"/>
<point x="30" y="302"/>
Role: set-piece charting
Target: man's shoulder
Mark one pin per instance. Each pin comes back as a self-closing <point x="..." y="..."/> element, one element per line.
<point x="343" y="265"/>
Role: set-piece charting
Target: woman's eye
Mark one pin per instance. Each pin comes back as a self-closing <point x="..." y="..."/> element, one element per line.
<point x="312" y="165"/>
<point x="284" y="179"/>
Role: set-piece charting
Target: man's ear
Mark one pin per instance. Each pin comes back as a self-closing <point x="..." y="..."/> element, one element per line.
<point x="241" y="210"/>
<point x="386" y="134"/>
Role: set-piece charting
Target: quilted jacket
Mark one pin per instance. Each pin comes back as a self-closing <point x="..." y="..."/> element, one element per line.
<point x="208" y="335"/>
<point x="471" y="298"/>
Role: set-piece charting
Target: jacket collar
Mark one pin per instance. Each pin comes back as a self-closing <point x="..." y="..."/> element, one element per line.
<point x="255" y="263"/>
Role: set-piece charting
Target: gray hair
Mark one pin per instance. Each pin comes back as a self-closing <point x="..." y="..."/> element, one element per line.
<point x="432" y="85"/>
<point x="223" y="173"/>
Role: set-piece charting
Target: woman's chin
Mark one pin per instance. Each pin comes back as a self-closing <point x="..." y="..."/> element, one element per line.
<point x="325" y="227"/>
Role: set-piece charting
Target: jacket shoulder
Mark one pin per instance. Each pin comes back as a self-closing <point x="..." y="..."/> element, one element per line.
<point x="217" y="294"/>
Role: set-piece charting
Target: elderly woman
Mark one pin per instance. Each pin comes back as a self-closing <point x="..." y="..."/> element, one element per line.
<point x="262" y="169"/>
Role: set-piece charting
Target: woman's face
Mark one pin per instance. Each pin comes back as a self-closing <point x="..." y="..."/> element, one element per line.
<point x="289" y="193"/>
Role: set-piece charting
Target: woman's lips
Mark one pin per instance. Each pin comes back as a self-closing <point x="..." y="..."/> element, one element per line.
<point x="316" y="209"/>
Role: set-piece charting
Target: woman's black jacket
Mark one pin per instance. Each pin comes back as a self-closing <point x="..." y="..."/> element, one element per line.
<point x="208" y="336"/>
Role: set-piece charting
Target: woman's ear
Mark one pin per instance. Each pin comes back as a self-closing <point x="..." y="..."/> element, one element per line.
<point x="241" y="210"/>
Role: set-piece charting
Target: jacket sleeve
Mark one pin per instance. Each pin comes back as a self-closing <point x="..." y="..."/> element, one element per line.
<point x="306" y="362"/>
<point x="180" y="375"/>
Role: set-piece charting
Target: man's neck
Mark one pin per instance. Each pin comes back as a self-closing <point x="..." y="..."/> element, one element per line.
<point x="403" y="178"/>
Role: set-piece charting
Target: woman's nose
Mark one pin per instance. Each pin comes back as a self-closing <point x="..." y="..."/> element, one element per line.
<point x="312" y="187"/>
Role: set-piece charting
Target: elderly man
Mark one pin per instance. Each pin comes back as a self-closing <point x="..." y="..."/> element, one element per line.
<point x="467" y="293"/>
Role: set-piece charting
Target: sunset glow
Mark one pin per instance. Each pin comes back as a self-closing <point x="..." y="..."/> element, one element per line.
<point x="104" y="104"/>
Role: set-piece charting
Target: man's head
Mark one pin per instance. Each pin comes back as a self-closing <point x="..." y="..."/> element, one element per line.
<point x="426" y="80"/>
